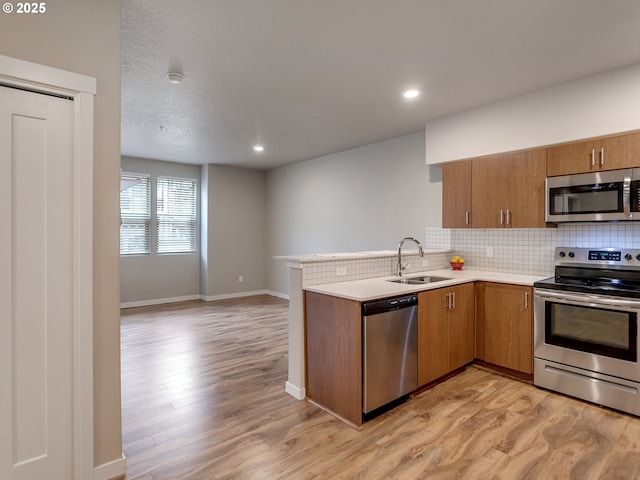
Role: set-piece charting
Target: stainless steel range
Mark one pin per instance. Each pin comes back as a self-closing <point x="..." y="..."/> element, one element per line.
<point x="586" y="327"/>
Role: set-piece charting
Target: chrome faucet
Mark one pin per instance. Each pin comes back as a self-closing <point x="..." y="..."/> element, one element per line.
<point x="401" y="266"/>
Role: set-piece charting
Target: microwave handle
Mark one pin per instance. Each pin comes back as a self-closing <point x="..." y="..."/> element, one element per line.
<point x="626" y="195"/>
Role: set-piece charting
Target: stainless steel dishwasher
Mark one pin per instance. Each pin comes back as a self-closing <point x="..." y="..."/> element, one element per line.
<point x="390" y="350"/>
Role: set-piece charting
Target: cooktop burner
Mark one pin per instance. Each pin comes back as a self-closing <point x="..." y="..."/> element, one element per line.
<point x="604" y="271"/>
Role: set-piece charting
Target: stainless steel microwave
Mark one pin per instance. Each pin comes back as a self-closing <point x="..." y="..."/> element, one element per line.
<point x="608" y="196"/>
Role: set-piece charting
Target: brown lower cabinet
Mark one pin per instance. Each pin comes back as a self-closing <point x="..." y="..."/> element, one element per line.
<point x="455" y="325"/>
<point x="504" y="317"/>
<point x="333" y="337"/>
<point x="446" y="331"/>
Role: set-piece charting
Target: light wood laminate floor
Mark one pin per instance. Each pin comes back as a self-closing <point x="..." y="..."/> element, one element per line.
<point x="203" y="398"/>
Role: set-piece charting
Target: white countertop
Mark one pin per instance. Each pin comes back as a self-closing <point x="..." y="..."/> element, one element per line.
<point x="379" y="287"/>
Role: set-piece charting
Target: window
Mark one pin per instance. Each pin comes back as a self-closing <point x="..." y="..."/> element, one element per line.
<point x="135" y="210"/>
<point x="176" y="215"/>
<point x="173" y="218"/>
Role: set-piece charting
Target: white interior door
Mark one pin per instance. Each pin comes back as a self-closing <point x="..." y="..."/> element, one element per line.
<point x="36" y="274"/>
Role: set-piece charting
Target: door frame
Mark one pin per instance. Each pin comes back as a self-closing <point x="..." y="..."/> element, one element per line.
<point x="82" y="89"/>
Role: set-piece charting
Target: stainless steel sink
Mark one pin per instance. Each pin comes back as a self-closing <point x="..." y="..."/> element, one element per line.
<point x="420" y="280"/>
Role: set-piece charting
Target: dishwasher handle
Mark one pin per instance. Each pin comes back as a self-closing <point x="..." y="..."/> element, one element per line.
<point x="388" y="305"/>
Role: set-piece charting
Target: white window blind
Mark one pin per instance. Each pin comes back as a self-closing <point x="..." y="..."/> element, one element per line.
<point x="176" y="212"/>
<point x="135" y="211"/>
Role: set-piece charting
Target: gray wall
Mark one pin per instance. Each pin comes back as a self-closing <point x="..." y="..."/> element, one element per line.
<point x="235" y="225"/>
<point x="367" y="198"/>
<point x="231" y="242"/>
<point x="144" y="278"/>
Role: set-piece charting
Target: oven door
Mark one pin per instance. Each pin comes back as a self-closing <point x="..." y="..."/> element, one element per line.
<point x="598" y="333"/>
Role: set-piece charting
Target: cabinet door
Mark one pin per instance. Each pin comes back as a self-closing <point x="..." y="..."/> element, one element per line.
<point x="524" y="201"/>
<point x="508" y="327"/>
<point x="462" y="326"/>
<point x="508" y="190"/>
<point x="577" y="157"/>
<point x="620" y="151"/>
<point x="433" y="335"/>
<point x="488" y="190"/>
<point x="333" y="341"/>
<point x="456" y="194"/>
<point x="606" y="153"/>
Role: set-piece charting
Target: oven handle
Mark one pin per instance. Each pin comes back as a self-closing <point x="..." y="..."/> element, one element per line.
<point x="586" y="298"/>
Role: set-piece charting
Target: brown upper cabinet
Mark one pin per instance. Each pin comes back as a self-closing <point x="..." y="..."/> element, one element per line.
<point x="456" y="194"/>
<point x="507" y="190"/>
<point x="605" y="153"/>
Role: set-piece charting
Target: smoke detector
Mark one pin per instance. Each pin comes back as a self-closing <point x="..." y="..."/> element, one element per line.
<point x="175" y="78"/>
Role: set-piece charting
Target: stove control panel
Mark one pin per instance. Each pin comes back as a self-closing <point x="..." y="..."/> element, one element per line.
<point x="605" y="257"/>
<point x="611" y="256"/>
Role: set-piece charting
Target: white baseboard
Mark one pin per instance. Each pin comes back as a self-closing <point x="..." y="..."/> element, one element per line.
<point x="159" y="301"/>
<point x="296" y="392"/>
<point x="226" y="296"/>
<point x="284" y="296"/>
<point x="112" y="470"/>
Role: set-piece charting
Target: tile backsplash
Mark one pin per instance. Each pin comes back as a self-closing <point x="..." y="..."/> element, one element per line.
<point x="315" y="273"/>
<point x="529" y="250"/>
<point x="514" y="250"/>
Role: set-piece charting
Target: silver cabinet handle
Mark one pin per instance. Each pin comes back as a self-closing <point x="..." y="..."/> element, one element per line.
<point x="466" y="218"/>
<point x="451" y="301"/>
<point x="602" y="157"/>
<point x="593" y="157"/>
<point x="526" y="300"/>
<point x="508" y="217"/>
<point x="626" y="196"/>
<point x="501" y="218"/>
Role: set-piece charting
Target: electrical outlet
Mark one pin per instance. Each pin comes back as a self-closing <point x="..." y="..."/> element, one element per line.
<point x="240" y="279"/>
<point x="425" y="263"/>
<point x="489" y="252"/>
<point x="341" y="271"/>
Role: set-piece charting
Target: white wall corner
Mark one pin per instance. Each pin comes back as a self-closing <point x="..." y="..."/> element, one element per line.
<point x="296" y="392"/>
<point x="114" y="470"/>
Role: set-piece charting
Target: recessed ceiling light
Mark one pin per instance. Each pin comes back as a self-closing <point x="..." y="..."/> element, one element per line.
<point x="258" y="148"/>
<point x="175" y="78"/>
<point x="411" y="93"/>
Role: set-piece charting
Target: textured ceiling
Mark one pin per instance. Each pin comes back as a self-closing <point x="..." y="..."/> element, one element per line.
<point x="307" y="78"/>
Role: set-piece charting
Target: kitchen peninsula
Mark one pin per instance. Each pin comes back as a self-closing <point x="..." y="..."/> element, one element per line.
<point x="363" y="276"/>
